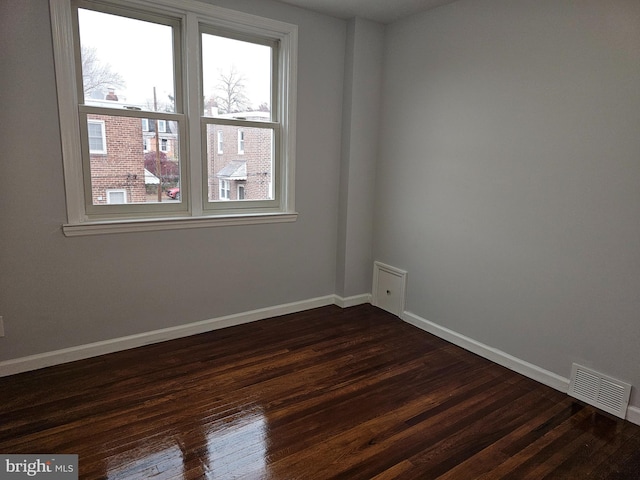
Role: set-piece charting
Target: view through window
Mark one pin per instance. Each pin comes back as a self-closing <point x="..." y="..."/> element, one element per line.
<point x="173" y="112"/>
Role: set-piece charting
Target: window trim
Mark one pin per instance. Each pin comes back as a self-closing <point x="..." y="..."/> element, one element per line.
<point x="79" y="221"/>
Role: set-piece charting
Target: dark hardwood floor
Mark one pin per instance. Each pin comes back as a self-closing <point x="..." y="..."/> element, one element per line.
<point x="327" y="393"/>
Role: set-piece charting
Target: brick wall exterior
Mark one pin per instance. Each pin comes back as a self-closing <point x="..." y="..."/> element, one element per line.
<point x="257" y="155"/>
<point x="122" y="167"/>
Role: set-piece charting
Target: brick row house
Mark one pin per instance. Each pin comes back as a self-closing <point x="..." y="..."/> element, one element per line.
<point x="117" y="163"/>
<point x="239" y="158"/>
<point x="117" y="149"/>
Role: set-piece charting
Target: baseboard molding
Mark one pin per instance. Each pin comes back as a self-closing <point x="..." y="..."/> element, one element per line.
<point x="633" y="415"/>
<point x="497" y="356"/>
<point x="57" y="357"/>
<point x="352" y="301"/>
<point x="48" y="359"/>
<point x="501" y="358"/>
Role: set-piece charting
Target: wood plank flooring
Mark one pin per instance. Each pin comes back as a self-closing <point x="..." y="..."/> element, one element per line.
<point x="327" y="393"/>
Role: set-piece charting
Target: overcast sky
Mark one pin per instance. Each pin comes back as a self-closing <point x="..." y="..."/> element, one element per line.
<point x="142" y="53"/>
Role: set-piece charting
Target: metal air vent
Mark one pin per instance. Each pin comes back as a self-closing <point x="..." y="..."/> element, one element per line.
<point x="599" y="390"/>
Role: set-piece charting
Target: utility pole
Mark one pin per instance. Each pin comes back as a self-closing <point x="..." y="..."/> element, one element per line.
<point x="158" y="171"/>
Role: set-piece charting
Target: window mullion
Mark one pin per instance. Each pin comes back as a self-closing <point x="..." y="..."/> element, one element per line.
<point x="191" y="74"/>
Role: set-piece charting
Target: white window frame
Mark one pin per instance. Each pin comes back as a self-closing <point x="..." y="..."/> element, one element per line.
<point x="162" y="126"/>
<point x="111" y="191"/>
<point x="145" y="124"/>
<point x="244" y="192"/>
<point x="195" y="210"/>
<point x="103" y="150"/>
<point x="164" y="145"/>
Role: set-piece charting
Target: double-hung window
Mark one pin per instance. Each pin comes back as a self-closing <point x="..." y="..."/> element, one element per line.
<point x="138" y="129"/>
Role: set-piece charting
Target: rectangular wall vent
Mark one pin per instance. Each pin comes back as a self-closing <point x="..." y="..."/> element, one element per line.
<point x="599" y="390"/>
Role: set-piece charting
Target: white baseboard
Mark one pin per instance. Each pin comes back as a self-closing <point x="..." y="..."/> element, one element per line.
<point x="633" y="415"/>
<point x="501" y="358"/>
<point x="352" y="301"/>
<point x="57" y="357"/>
<point x="497" y="356"/>
<point x="80" y="352"/>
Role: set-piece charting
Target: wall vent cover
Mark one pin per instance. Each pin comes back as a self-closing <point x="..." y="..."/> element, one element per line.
<point x="599" y="390"/>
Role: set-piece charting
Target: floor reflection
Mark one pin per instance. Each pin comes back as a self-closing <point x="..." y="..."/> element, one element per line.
<point x="159" y="461"/>
<point x="238" y="446"/>
<point x="229" y="447"/>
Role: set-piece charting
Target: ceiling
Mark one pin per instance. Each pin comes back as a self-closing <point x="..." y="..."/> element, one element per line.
<point x="383" y="11"/>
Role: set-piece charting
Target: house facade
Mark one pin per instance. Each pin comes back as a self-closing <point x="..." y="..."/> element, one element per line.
<point x="117" y="160"/>
<point x="240" y="160"/>
<point x="118" y="149"/>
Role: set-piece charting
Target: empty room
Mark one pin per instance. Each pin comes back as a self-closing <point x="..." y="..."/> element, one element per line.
<point x="320" y="239"/>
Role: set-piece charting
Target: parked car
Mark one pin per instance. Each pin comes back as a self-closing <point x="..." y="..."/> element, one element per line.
<point x="174" y="193"/>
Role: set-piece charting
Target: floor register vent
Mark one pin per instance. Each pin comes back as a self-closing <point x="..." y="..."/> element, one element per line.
<point x="599" y="390"/>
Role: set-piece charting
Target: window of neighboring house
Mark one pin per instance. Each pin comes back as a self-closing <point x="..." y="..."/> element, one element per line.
<point x="240" y="142"/>
<point x="252" y="53"/>
<point x="240" y="192"/>
<point x="116" y="197"/>
<point x="220" y="151"/>
<point x="96" y="136"/>
<point x="225" y="190"/>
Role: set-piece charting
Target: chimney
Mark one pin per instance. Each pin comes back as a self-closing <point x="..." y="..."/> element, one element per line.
<point x="111" y="95"/>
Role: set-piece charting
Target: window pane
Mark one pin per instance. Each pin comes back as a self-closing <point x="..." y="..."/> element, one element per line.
<point x="126" y="60"/>
<point x="134" y="162"/>
<point x="236" y="78"/>
<point x="251" y="169"/>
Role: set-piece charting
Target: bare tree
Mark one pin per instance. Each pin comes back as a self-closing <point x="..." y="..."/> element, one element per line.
<point x="97" y="76"/>
<point x="230" y="92"/>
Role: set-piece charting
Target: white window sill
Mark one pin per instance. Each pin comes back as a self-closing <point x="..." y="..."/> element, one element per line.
<point x="104" y="227"/>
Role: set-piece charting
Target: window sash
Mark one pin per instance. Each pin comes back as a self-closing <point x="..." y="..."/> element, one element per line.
<point x="129" y="209"/>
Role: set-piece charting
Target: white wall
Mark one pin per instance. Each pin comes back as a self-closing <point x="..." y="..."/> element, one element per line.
<point x="58" y="292"/>
<point x="509" y="178"/>
<point x="361" y="123"/>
